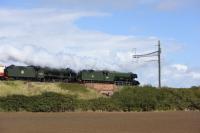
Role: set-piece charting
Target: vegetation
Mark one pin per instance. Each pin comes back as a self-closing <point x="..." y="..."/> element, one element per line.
<point x="9" y="88"/>
<point x="69" y="98"/>
<point x="150" y="99"/>
<point x="73" y="87"/>
<point x="47" y="102"/>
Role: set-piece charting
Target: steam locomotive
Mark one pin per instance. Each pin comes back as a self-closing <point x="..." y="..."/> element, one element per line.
<point x="46" y="74"/>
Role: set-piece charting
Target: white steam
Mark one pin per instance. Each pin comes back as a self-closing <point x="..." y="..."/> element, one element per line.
<point x="49" y="37"/>
<point x="76" y="59"/>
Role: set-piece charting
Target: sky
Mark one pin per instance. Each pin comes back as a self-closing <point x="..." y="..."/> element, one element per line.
<point x="104" y="34"/>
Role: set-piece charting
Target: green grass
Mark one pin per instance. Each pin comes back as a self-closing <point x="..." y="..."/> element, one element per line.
<point x="11" y="83"/>
<point x="73" y="87"/>
<point x="58" y="97"/>
<point x="8" y="88"/>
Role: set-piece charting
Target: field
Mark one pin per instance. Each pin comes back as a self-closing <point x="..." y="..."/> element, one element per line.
<point x="149" y="122"/>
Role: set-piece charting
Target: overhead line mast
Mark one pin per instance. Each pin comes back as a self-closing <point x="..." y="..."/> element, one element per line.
<point x="159" y="65"/>
<point x="152" y="54"/>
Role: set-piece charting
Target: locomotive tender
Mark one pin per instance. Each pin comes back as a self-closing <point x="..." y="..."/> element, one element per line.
<point x="36" y="73"/>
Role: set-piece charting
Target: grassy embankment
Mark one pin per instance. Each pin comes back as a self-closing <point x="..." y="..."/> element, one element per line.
<point x="9" y="88"/>
<point x="58" y="97"/>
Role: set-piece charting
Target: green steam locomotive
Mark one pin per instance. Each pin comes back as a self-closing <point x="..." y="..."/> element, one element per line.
<point x="112" y="77"/>
<point x="46" y="74"/>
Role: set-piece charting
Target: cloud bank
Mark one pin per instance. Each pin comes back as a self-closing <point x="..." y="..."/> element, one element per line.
<point x="48" y="37"/>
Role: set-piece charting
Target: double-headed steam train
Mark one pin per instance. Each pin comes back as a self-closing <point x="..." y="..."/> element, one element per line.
<point x="46" y="74"/>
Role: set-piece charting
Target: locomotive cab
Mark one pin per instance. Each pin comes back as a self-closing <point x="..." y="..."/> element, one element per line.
<point x="133" y="76"/>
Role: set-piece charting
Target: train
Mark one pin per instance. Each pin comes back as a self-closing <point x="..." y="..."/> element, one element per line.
<point x="47" y="74"/>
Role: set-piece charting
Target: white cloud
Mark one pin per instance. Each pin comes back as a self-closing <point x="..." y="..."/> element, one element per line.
<point x="180" y="67"/>
<point x="180" y="75"/>
<point x="50" y="37"/>
<point x="195" y="75"/>
<point x="41" y="36"/>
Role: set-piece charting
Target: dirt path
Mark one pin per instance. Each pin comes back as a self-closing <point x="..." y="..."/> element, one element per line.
<point x="167" y="122"/>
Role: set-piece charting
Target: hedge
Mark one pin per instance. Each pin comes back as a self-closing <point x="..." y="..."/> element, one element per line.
<point x="128" y="99"/>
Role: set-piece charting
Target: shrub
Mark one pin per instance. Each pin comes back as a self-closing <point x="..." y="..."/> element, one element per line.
<point x="83" y="105"/>
<point x="136" y="99"/>
<point x="53" y="102"/>
<point x="14" y="103"/>
<point x="127" y="99"/>
<point x="47" y="102"/>
<point x="103" y="104"/>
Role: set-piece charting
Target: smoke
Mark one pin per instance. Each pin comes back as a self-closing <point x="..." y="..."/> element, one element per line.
<point x="33" y="55"/>
<point x="77" y="60"/>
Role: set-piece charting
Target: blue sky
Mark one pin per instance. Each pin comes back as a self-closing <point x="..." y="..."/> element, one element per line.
<point x="181" y="26"/>
<point x="102" y="33"/>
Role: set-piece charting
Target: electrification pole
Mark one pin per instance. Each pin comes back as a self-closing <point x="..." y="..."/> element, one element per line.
<point x="159" y="65"/>
<point x="153" y="54"/>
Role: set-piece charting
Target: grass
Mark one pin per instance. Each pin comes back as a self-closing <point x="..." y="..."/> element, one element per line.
<point x="79" y="90"/>
<point x="8" y="88"/>
<point x="53" y="97"/>
<point x="73" y="87"/>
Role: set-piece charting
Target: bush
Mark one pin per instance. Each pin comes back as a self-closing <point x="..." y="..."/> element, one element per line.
<point x="83" y="105"/>
<point x="47" y="102"/>
<point x="13" y="103"/>
<point x="165" y="100"/>
<point x="127" y="99"/>
<point x="148" y="98"/>
<point x="103" y="104"/>
<point x="135" y="99"/>
<point x="53" y="102"/>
